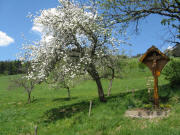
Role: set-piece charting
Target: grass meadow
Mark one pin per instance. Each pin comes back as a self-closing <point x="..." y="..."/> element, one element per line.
<point x="55" y="114"/>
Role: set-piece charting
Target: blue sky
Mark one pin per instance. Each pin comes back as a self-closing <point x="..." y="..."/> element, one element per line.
<point x="14" y="23"/>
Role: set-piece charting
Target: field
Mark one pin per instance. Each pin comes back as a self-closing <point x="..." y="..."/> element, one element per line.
<point x="55" y="114"/>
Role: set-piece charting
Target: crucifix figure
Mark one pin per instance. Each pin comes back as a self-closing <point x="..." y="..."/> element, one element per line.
<point x="155" y="61"/>
<point x="154" y="58"/>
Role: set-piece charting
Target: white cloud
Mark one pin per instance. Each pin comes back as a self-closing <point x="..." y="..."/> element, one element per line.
<point x="170" y="48"/>
<point x="38" y="28"/>
<point x="5" y="40"/>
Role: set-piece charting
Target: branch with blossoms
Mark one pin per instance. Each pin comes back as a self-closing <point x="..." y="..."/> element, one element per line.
<point x="77" y="42"/>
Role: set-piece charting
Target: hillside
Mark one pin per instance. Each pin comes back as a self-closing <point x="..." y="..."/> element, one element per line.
<point x="55" y="114"/>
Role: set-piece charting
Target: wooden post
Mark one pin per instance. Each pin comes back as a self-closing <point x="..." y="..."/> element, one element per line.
<point x="156" y="97"/>
<point x="90" y="106"/>
<point x="35" y="132"/>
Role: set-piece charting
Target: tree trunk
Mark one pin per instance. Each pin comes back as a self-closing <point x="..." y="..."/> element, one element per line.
<point x="109" y="88"/>
<point x="100" y="90"/>
<point x="94" y="74"/>
<point x="29" y="97"/>
<point x="111" y="80"/>
<point x="36" y="128"/>
<point x="69" y="93"/>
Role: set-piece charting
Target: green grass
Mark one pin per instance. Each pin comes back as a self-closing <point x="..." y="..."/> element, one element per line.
<point x="56" y="115"/>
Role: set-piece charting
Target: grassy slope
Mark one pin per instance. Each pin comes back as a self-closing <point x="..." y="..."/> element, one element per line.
<point x="56" y="115"/>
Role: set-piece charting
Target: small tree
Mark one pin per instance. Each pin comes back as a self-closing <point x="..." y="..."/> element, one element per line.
<point x="108" y="70"/>
<point x="60" y="79"/>
<point x="28" y="83"/>
<point x="110" y="80"/>
<point x="78" y="41"/>
<point x="21" y="81"/>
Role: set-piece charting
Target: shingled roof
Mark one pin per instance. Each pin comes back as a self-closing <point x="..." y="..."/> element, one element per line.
<point x="153" y="49"/>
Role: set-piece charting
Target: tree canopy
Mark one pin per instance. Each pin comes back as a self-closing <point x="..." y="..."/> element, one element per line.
<point x="74" y="39"/>
<point x="128" y="11"/>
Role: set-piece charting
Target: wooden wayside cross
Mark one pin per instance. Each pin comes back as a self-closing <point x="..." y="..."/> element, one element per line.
<point x="155" y="60"/>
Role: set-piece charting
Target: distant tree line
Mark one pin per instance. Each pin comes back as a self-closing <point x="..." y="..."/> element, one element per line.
<point x="16" y="67"/>
<point x="12" y="67"/>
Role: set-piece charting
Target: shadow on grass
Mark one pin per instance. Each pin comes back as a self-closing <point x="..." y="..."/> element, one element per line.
<point x="37" y="100"/>
<point x="68" y="111"/>
<point x="65" y="111"/>
<point x="64" y="99"/>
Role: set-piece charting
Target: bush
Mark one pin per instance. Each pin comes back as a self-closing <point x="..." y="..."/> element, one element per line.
<point x="141" y="66"/>
<point x="172" y="72"/>
<point x="129" y="102"/>
<point x="165" y="93"/>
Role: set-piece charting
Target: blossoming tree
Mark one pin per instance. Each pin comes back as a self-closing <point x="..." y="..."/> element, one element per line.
<point x="75" y="39"/>
<point x="60" y="79"/>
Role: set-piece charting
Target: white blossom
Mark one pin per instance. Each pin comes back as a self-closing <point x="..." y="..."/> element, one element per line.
<point x="72" y="38"/>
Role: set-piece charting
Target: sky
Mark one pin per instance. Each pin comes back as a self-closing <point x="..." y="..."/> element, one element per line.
<point x="14" y="23"/>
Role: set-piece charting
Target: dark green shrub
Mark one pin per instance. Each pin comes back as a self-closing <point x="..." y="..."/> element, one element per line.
<point x="141" y="66"/>
<point x="143" y="96"/>
<point x="129" y="102"/>
<point x="172" y="72"/>
<point x="165" y="93"/>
